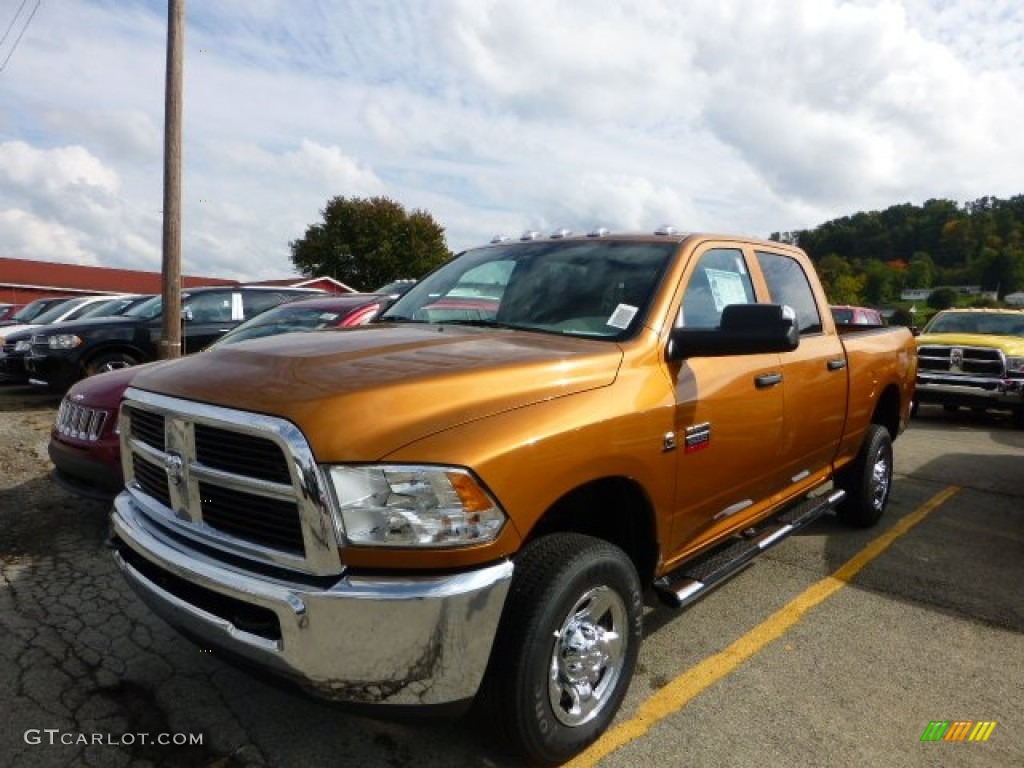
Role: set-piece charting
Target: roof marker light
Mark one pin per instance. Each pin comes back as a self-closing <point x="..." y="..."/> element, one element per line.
<point x="598" y="232"/>
<point x="665" y="230"/>
<point x="500" y="239"/>
<point x="563" y="232"/>
<point x="530" y="234"/>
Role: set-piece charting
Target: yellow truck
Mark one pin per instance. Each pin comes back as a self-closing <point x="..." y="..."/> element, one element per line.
<point x="467" y="500"/>
<point x="973" y="358"/>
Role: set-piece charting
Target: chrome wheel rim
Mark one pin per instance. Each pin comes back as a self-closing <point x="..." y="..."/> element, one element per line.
<point x="881" y="479"/>
<point x="589" y="651"/>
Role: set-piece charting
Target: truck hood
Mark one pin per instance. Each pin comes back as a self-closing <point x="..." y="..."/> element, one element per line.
<point x="1010" y="345"/>
<point x="359" y="394"/>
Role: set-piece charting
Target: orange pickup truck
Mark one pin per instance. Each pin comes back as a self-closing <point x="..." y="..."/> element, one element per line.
<point x="443" y="508"/>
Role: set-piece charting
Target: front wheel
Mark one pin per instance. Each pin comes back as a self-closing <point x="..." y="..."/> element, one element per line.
<point x="868" y="480"/>
<point x="109" y="361"/>
<point x="566" y="646"/>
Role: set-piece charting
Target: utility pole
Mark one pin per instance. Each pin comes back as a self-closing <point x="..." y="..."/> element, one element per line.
<point x="170" y="340"/>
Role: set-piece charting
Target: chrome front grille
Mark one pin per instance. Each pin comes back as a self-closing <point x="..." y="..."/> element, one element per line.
<point x="270" y="522"/>
<point x="245" y="454"/>
<point x="148" y="427"/>
<point x="80" y="422"/>
<point x="961" y="361"/>
<point x="152" y="479"/>
<point x="237" y="481"/>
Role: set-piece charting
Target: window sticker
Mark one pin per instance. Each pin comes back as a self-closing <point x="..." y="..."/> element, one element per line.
<point x="726" y="288"/>
<point x="622" y="316"/>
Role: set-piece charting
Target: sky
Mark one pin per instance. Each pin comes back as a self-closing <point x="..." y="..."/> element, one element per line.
<point x="496" y="117"/>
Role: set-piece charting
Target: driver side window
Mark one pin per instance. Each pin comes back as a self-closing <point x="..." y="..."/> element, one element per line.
<point x="720" y="278"/>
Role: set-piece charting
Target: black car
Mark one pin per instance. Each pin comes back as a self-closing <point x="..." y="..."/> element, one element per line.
<point x="63" y="353"/>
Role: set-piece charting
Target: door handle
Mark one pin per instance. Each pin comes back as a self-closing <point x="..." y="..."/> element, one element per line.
<point x="837" y="365"/>
<point x="766" y="380"/>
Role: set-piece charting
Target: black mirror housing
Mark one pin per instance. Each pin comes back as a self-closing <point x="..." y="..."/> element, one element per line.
<point x="745" y="329"/>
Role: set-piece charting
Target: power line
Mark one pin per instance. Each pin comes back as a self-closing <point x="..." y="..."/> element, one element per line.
<point x="14" y="18"/>
<point x="28" y="21"/>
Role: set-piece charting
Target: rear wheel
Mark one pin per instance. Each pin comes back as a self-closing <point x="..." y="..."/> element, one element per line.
<point x="868" y="480"/>
<point x="110" y="361"/>
<point x="566" y="647"/>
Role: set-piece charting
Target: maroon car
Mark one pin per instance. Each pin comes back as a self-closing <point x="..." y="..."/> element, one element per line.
<point x="84" y="442"/>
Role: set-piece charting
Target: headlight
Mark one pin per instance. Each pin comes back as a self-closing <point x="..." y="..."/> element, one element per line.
<point x="63" y="341"/>
<point x="23" y="346"/>
<point x="1015" y="364"/>
<point x="413" y="506"/>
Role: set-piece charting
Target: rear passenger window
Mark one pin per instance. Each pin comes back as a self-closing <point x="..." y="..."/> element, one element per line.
<point x="720" y="279"/>
<point x="788" y="284"/>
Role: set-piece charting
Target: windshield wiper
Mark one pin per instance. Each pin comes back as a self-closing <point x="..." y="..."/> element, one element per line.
<point x="483" y="323"/>
<point x="396" y="319"/>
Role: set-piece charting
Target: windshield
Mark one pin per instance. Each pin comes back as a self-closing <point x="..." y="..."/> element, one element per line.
<point x="284" y="318"/>
<point x="57" y="311"/>
<point x="106" y="308"/>
<point x="986" y="323"/>
<point x="593" y="288"/>
<point x="147" y="310"/>
<point x="32" y="310"/>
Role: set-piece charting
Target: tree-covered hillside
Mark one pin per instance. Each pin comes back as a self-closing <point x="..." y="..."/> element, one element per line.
<point x="868" y="258"/>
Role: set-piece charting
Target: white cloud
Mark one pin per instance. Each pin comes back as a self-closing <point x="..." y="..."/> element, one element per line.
<point x="500" y="115"/>
<point x="46" y="240"/>
<point x="63" y="169"/>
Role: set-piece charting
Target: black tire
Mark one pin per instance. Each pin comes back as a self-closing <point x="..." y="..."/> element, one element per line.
<point x="1017" y="419"/>
<point x="914" y="405"/>
<point x="951" y="408"/>
<point x="566" y="647"/>
<point x="867" y="480"/>
<point x="110" y="361"/>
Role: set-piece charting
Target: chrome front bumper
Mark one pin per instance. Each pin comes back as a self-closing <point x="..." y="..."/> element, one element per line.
<point x="382" y="640"/>
<point x="992" y="392"/>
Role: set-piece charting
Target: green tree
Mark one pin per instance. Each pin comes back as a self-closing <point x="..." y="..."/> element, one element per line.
<point x="879" y="281"/>
<point x="366" y="242"/>
<point x="942" y="298"/>
<point x="921" y="271"/>
<point x="902" y="317"/>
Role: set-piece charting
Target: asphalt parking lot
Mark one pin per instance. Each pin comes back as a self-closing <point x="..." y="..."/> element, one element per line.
<point x="837" y="648"/>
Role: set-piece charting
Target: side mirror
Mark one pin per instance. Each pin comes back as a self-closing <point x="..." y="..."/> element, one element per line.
<point x="186" y="314"/>
<point x="745" y="329"/>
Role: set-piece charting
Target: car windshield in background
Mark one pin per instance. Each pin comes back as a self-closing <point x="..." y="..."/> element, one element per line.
<point x="592" y="288"/>
<point x="32" y="310"/>
<point x="284" y="318"/>
<point x="985" y="323"/>
<point x="395" y="288"/>
<point x="56" y="311"/>
<point x="109" y="308"/>
<point x="149" y="309"/>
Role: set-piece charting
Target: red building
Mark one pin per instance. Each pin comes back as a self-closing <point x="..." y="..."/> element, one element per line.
<point x="22" y="280"/>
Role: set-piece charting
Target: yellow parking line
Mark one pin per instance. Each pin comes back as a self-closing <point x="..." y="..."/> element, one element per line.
<point x="688" y="685"/>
